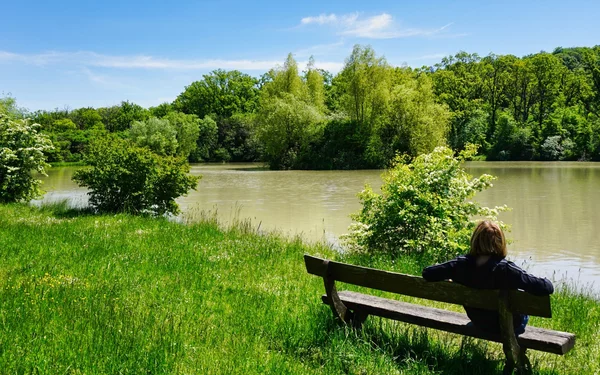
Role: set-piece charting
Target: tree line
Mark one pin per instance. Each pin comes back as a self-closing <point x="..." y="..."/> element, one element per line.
<point x="544" y="106"/>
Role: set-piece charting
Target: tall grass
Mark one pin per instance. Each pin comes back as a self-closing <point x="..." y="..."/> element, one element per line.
<point x="86" y="294"/>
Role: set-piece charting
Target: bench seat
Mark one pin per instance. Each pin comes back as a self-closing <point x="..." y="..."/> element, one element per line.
<point x="533" y="338"/>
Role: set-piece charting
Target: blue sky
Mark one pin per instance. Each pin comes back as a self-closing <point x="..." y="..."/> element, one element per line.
<point x="78" y="53"/>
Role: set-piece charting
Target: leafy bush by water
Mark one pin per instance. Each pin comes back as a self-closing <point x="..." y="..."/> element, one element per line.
<point x="425" y="207"/>
<point x="126" y="178"/>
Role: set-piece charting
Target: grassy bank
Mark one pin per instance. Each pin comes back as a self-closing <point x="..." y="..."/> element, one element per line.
<point x="85" y="294"/>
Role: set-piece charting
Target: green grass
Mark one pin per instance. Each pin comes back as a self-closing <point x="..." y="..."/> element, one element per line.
<point x="85" y="294"/>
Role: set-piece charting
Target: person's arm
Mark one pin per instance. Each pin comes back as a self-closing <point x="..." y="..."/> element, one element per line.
<point x="439" y="272"/>
<point x="519" y="279"/>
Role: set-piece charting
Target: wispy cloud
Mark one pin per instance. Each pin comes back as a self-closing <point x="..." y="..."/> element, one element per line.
<point x="382" y="26"/>
<point x="319" y="49"/>
<point x="93" y="59"/>
<point x="106" y="81"/>
<point x="87" y="58"/>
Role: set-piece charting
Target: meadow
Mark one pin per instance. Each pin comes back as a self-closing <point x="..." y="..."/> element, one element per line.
<point x="118" y="294"/>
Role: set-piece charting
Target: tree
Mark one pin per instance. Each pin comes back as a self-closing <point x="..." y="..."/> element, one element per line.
<point x="288" y="124"/>
<point x="237" y="135"/>
<point x="157" y="135"/>
<point x="187" y="128"/>
<point x="22" y="149"/>
<point x="119" y="118"/>
<point x="125" y="178"/>
<point x="365" y="85"/>
<point x="419" y="122"/>
<point x="8" y="106"/>
<point x="87" y="118"/>
<point x="220" y="93"/>
<point x="206" y="143"/>
<point x="161" y="110"/>
<point x="284" y="81"/>
<point x="315" y="85"/>
<point x="425" y="207"/>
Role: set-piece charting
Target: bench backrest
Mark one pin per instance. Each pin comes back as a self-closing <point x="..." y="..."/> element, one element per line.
<point x="414" y="286"/>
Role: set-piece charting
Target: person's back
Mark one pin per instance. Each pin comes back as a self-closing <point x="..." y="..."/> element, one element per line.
<point x="486" y="268"/>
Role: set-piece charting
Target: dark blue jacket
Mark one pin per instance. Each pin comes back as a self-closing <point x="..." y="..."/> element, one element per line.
<point x="496" y="273"/>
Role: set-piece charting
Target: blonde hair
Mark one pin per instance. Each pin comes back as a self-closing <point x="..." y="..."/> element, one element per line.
<point x="488" y="239"/>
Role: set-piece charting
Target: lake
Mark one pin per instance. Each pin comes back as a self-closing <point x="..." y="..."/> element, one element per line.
<point x="554" y="218"/>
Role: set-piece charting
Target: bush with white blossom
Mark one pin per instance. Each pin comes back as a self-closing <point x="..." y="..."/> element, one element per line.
<point x="425" y="207"/>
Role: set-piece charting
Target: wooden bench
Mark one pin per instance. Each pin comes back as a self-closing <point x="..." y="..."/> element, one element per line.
<point x="353" y="308"/>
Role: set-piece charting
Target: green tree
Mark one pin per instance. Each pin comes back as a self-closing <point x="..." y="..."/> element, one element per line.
<point x="206" y="143"/>
<point x="285" y="80"/>
<point x="420" y="124"/>
<point x="156" y="134"/>
<point x="22" y="149"/>
<point x="365" y="84"/>
<point x="119" y="118"/>
<point x="287" y="126"/>
<point x="220" y="93"/>
<point x="187" y="128"/>
<point x="87" y="118"/>
<point x="126" y="178"/>
<point x="237" y="134"/>
<point x="161" y="110"/>
<point x="315" y="85"/>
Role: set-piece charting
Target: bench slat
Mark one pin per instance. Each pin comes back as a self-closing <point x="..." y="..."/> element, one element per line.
<point x="533" y="338"/>
<point x="443" y="291"/>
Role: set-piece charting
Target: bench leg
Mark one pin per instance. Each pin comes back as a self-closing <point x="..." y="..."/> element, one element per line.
<point x="358" y="318"/>
<point x="515" y="354"/>
<point x="340" y="311"/>
<point x="522" y="365"/>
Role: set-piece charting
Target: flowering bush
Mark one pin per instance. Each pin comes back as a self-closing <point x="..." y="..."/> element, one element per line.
<point x="22" y="150"/>
<point x="424" y="207"/>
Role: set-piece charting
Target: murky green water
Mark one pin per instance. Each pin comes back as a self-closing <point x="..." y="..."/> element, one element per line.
<point x="555" y="213"/>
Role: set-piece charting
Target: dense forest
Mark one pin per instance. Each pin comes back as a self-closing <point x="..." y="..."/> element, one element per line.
<point x="544" y="106"/>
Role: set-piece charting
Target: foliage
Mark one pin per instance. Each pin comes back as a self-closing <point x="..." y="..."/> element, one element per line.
<point x="424" y="207"/>
<point x="417" y="123"/>
<point x="364" y="85"/>
<point x="187" y="129"/>
<point x="220" y="93"/>
<point x="8" y="106"/>
<point x="86" y="118"/>
<point x="157" y="135"/>
<point x="285" y="80"/>
<point x="120" y="117"/>
<point x="546" y="95"/>
<point x="22" y="149"/>
<point x="128" y="178"/>
<point x="206" y="143"/>
<point x="315" y="85"/>
<point x="512" y="107"/>
<point x="288" y="124"/>
<point x="237" y="136"/>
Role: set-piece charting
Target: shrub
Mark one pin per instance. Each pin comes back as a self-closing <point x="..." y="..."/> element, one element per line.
<point x="22" y="150"/>
<point x="127" y="178"/>
<point x="424" y="207"/>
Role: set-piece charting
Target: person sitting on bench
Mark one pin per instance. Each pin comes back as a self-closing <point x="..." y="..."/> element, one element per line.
<point x="485" y="267"/>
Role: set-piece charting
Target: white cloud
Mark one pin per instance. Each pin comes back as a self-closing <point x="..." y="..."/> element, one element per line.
<point x="320" y="19"/>
<point x="382" y="26"/>
<point x="92" y="59"/>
